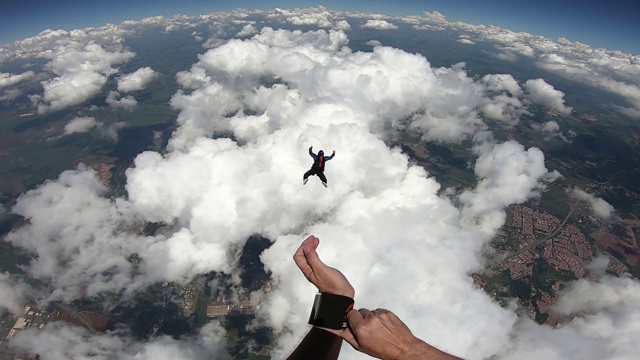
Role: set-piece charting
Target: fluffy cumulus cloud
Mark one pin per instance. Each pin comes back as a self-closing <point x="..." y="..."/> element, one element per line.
<point x="13" y="293"/>
<point x="247" y="30"/>
<point x="7" y="79"/>
<point x="85" y="124"/>
<point x="374" y="43"/>
<point x="600" y="207"/>
<point x="137" y="80"/>
<point x="379" y="24"/>
<point x="505" y="104"/>
<point x="126" y="102"/>
<point x="384" y="221"/>
<point x="63" y="342"/>
<point x="611" y="71"/>
<point x="540" y="92"/>
<point x="551" y="129"/>
<point x="80" y="75"/>
<point x="215" y="193"/>
<point x="605" y="325"/>
<point x="320" y="17"/>
<point x="80" y="125"/>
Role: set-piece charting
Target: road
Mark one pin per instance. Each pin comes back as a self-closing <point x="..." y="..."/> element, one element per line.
<point x="535" y="243"/>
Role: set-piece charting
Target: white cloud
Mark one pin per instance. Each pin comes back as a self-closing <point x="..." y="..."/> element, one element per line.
<point x="342" y="25"/>
<point x="7" y="79"/>
<point x="80" y="125"/>
<point x="81" y="74"/>
<point x="379" y="24"/>
<point x="86" y="123"/>
<point x="508" y="174"/>
<point x="374" y="43"/>
<point x="600" y="208"/>
<point x="502" y="82"/>
<point x="246" y="31"/>
<point x="214" y="193"/>
<point x="10" y="95"/>
<point x="605" y="325"/>
<point x="13" y="293"/>
<point x="540" y="92"/>
<point x="126" y="103"/>
<point x="611" y="71"/>
<point x="68" y="246"/>
<point x="60" y="341"/>
<point x="435" y="17"/>
<point x="137" y="80"/>
<point x="320" y="17"/>
<point x="551" y="129"/>
<point x="464" y="39"/>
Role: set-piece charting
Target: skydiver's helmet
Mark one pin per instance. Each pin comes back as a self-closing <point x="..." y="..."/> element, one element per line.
<point x="320" y="153"/>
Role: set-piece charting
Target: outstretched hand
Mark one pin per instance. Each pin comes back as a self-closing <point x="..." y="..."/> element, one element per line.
<point x="325" y="278"/>
<point x="381" y="334"/>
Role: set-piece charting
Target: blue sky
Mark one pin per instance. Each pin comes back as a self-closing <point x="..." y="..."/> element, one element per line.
<point x="609" y="24"/>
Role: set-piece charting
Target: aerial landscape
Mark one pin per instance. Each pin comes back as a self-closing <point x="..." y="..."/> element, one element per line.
<point x="485" y="184"/>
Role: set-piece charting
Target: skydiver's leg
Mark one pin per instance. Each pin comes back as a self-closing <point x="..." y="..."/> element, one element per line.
<point x="322" y="177"/>
<point x="306" y="175"/>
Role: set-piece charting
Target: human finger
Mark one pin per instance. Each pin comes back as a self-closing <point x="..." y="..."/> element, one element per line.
<point x="366" y="313"/>
<point x="312" y="258"/>
<point x="349" y="337"/>
<point x="299" y="256"/>
<point x="354" y="317"/>
<point x="312" y="241"/>
<point x="380" y="311"/>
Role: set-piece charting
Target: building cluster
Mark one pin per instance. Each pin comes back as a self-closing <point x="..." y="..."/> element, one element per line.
<point x="189" y="298"/>
<point x="532" y="221"/>
<point x="35" y="318"/>
<point x="520" y="266"/>
<point x="568" y="250"/>
<point x="533" y="235"/>
<point x="222" y="306"/>
<point x="31" y="318"/>
<point x="616" y="266"/>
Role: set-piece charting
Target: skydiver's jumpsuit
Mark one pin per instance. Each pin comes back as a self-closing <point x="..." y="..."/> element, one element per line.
<point x="318" y="165"/>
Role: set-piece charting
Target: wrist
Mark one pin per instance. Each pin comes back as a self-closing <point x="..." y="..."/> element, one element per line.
<point x="415" y="349"/>
<point x="333" y="331"/>
<point x="329" y="311"/>
<point x="420" y="350"/>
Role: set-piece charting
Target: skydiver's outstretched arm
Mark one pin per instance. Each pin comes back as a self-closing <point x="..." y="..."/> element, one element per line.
<point x="327" y="158"/>
<point x="311" y="152"/>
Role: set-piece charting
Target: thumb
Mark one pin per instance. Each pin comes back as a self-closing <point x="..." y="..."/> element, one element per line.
<point x="348" y="336"/>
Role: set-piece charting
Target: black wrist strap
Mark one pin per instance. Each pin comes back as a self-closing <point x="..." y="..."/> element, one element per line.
<point x="330" y="311"/>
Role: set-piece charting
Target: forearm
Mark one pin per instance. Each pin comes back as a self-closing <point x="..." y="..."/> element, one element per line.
<point x="318" y="344"/>
<point x="420" y="350"/>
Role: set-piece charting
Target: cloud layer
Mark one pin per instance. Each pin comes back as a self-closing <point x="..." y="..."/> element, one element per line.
<point x="404" y="243"/>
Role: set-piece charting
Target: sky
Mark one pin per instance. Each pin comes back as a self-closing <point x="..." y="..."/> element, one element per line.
<point x="607" y="24"/>
<point x="405" y="233"/>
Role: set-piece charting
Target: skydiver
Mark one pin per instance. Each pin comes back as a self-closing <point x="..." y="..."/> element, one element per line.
<point x="318" y="166"/>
